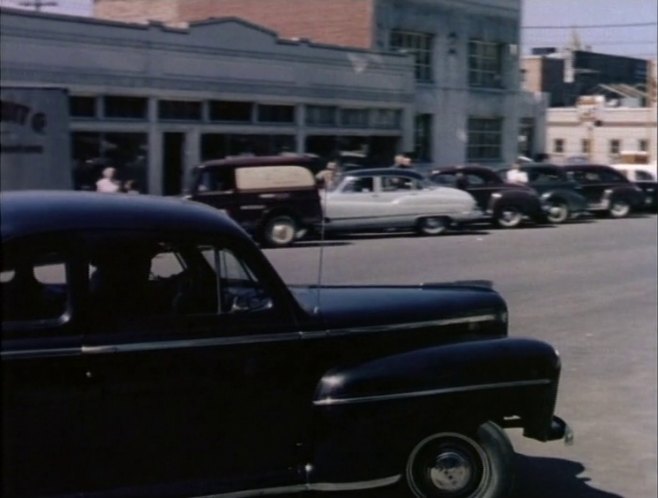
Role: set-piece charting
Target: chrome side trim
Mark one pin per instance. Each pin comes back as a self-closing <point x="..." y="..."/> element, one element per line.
<point x="188" y="344"/>
<point x="329" y="401"/>
<point x="41" y="353"/>
<point x="320" y="486"/>
<point x="240" y="340"/>
<point x="354" y="486"/>
<point x="400" y="326"/>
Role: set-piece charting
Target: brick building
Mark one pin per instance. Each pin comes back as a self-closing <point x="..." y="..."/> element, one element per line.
<point x="468" y="102"/>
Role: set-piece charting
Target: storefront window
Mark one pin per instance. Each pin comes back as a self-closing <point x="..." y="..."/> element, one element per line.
<point x="221" y="145"/>
<point x="93" y="152"/>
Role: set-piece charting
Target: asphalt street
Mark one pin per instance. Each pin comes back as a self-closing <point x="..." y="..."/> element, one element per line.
<point x="588" y="288"/>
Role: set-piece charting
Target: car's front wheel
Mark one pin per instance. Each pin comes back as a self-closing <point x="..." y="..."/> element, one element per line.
<point x="279" y="231"/>
<point x="462" y="464"/>
<point x="619" y="208"/>
<point x="433" y="225"/>
<point x="508" y="217"/>
<point x="558" y="212"/>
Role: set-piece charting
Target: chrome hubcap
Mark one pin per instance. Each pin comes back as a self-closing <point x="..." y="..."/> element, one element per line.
<point x="283" y="233"/>
<point x="451" y="471"/>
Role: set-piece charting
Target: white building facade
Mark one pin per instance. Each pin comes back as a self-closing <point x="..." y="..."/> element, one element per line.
<point x="600" y="138"/>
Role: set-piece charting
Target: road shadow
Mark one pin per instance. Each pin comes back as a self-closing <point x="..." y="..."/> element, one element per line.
<point x="540" y="477"/>
<point x="536" y="477"/>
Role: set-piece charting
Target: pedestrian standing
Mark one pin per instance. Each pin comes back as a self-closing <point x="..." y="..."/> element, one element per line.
<point x="108" y="182"/>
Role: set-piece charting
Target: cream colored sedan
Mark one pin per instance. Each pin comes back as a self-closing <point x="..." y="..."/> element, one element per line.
<point x="395" y="198"/>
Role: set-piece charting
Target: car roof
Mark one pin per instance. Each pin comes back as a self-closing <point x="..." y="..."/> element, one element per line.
<point x="585" y="167"/>
<point x="385" y="172"/>
<point x="36" y="212"/>
<point x="468" y="168"/>
<point x="538" y="165"/>
<point x="247" y="161"/>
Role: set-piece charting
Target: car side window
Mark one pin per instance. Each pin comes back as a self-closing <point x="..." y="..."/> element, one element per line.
<point x="135" y="280"/>
<point x="446" y="179"/>
<point x="643" y="176"/>
<point x="397" y="184"/>
<point x="217" y="180"/>
<point x="475" y="180"/>
<point x="34" y="283"/>
<point x="359" y="185"/>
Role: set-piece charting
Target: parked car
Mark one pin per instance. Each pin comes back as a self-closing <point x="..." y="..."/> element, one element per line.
<point x="395" y="198"/>
<point x="560" y="197"/>
<point x="607" y="191"/>
<point x="645" y="177"/>
<point x="274" y="198"/>
<point x="150" y="349"/>
<point x="506" y="204"/>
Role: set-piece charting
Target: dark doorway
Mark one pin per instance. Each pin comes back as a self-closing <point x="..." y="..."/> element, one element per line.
<point x="172" y="163"/>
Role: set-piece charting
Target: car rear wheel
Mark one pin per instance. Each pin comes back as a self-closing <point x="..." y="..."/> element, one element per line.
<point x="619" y="208"/>
<point x="508" y="217"/>
<point x="433" y="225"/>
<point x="279" y="231"/>
<point x="458" y="464"/>
<point x="558" y="212"/>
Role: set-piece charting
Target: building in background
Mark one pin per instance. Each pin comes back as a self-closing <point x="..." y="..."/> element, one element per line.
<point x="599" y="105"/>
<point x="468" y="104"/>
<point x="153" y="100"/>
<point x="568" y="74"/>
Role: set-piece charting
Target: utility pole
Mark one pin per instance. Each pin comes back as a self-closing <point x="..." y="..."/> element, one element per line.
<point x="38" y="4"/>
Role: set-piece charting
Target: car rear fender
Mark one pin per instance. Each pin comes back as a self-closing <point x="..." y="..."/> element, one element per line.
<point x="381" y="406"/>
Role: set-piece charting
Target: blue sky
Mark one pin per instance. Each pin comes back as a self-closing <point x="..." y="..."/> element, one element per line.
<point x="633" y="41"/>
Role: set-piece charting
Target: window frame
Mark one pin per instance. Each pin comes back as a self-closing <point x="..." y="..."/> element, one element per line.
<point x="485" y="64"/>
<point x="421" y="46"/>
<point x="489" y="138"/>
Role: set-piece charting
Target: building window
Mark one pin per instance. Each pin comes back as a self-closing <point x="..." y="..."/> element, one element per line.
<point x="485" y="138"/>
<point x="420" y="46"/>
<point x="614" y="146"/>
<point x="179" y="110"/>
<point x="485" y="64"/>
<point x="354" y="118"/>
<point x="584" y="146"/>
<point x="219" y="145"/>
<point x="558" y="145"/>
<point x="321" y="115"/>
<point x="126" y="152"/>
<point x="82" y="107"/>
<point x="423" y="137"/>
<point x="526" y="137"/>
<point x="385" y="118"/>
<point x="643" y="145"/>
<point x="268" y="113"/>
<point x="223" y="110"/>
<point x="126" y="107"/>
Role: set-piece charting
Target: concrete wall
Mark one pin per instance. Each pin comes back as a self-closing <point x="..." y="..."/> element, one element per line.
<point x="222" y="60"/>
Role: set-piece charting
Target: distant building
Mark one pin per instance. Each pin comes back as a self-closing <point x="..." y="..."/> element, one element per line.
<point x="571" y="73"/>
<point x="468" y="101"/>
<point x="599" y="105"/>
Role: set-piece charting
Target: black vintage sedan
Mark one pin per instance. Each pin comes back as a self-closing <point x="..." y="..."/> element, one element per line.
<point x="506" y="204"/>
<point x="607" y="191"/>
<point x="561" y="197"/>
<point x="150" y="349"/>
